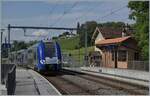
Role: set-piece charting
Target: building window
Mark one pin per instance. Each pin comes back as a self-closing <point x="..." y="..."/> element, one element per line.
<point x="136" y="56"/>
<point x="122" y="55"/>
<point x="113" y="55"/>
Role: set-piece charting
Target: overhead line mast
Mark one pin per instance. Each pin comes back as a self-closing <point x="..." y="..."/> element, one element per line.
<point x="34" y="27"/>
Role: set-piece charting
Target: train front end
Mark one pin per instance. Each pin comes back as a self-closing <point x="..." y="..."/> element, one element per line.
<point x="49" y="56"/>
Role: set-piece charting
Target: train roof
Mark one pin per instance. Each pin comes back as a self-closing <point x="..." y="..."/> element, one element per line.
<point x="47" y="40"/>
<point x="33" y="46"/>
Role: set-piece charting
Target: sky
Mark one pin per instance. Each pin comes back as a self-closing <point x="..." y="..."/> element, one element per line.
<point x="59" y="13"/>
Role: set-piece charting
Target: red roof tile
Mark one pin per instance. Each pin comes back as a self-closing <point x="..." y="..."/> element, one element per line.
<point x="112" y="41"/>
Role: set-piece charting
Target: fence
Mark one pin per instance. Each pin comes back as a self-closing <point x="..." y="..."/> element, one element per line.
<point x="139" y="65"/>
<point x="8" y="75"/>
<point x="72" y="60"/>
<point x="79" y="60"/>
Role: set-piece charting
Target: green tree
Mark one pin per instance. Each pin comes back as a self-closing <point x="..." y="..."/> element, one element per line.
<point x="18" y="45"/>
<point x="140" y="13"/>
<point x="112" y="24"/>
<point x="30" y="43"/>
<point x="88" y="27"/>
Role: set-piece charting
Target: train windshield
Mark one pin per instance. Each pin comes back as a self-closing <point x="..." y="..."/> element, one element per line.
<point x="49" y="49"/>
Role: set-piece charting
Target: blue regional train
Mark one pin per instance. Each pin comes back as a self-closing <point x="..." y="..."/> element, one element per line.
<point x="43" y="56"/>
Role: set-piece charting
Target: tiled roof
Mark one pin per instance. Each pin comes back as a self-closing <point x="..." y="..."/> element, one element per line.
<point x="109" y="32"/>
<point x="112" y="41"/>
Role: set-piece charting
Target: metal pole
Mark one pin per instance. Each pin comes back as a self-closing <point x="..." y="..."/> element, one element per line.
<point x="79" y="54"/>
<point x="1" y="52"/>
<point x="1" y="37"/>
<point x="8" y="40"/>
<point x="86" y="46"/>
<point x="1" y="44"/>
<point x="36" y="27"/>
<point x="9" y="33"/>
<point x="1" y="55"/>
<point x="78" y="30"/>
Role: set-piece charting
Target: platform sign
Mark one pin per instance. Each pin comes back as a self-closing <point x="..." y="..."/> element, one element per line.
<point x="4" y="49"/>
<point x="6" y="45"/>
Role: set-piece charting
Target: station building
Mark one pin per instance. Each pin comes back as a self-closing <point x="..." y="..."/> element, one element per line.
<point x="118" y="48"/>
<point x="117" y="52"/>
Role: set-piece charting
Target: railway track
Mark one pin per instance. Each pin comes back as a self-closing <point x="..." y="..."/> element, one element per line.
<point x="76" y="83"/>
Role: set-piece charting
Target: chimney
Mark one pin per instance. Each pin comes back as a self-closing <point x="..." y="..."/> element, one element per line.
<point x="124" y="31"/>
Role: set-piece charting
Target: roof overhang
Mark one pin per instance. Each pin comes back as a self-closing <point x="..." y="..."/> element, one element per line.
<point x="114" y="41"/>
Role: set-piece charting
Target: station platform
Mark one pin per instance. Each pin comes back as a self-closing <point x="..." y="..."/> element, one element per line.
<point x="29" y="82"/>
<point x="3" y="89"/>
<point x="131" y="76"/>
<point x="128" y="73"/>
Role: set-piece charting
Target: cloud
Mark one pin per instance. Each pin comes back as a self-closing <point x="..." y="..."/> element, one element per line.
<point x="84" y="11"/>
<point x="69" y="1"/>
<point x="40" y="33"/>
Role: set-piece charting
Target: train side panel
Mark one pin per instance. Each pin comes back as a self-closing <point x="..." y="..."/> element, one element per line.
<point x="40" y="57"/>
<point x="43" y="56"/>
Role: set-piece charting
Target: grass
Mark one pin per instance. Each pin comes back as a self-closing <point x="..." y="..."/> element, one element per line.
<point x="68" y="43"/>
<point x="78" y="54"/>
<point x="68" y="46"/>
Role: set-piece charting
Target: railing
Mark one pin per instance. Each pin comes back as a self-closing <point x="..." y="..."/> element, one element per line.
<point x="139" y="65"/>
<point x="71" y="61"/>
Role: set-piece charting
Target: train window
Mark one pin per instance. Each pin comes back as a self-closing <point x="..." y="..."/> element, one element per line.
<point x="50" y="49"/>
<point x="34" y="55"/>
<point x="29" y="51"/>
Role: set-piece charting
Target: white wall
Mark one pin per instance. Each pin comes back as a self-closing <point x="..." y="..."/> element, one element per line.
<point x="99" y="37"/>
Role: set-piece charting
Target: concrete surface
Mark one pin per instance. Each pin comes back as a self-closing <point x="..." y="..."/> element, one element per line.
<point x="8" y="79"/>
<point x="3" y="89"/>
<point x="125" y="79"/>
<point x="29" y="82"/>
<point x="134" y="74"/>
